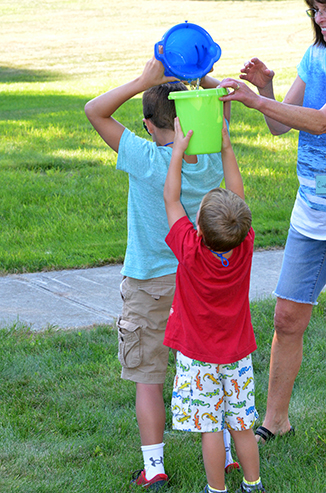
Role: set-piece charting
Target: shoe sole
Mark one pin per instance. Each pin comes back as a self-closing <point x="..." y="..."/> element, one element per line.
<point x="156" y="486"/>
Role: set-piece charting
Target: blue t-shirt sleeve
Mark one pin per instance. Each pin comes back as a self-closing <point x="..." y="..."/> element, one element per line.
<point x="303" y="66"/>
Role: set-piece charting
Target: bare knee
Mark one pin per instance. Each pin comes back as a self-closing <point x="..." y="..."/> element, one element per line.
<point x="149" y="390"/>
<point x="291" y="318"/>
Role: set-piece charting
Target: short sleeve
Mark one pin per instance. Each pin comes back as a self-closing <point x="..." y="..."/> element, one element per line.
<point x="181" y="237"/>
<point x="133" y="154"/>
<point x="303" y="66"/>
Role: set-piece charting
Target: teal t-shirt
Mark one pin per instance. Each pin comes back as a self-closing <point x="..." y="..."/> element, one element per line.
<point x="147" y="254"/>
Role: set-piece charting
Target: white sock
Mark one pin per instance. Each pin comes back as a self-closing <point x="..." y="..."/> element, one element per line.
<point x="227" y="445"/>
<point x="153" y="460"/>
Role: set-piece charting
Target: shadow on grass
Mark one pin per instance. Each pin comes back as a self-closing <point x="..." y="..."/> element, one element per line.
<point x="51" y="131"/>
<point x="16" y="74"/>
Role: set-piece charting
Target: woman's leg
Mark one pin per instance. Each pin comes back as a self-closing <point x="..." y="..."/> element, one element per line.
<point x="302" y="277"/>
<point x="291" y="320"/>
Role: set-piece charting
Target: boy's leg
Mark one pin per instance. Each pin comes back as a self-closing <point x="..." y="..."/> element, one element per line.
<point x="150" y="411"/>
<point x="144" y="360"/>
<point x="240" y="392"/>
<point x="247" y="452"/>
<point x="214" y="459"/>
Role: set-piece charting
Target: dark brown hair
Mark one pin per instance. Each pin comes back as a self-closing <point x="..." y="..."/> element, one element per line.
<point x="224" y="219"/>
<point x="319" y="39"/>
<point x="158" y="108"/>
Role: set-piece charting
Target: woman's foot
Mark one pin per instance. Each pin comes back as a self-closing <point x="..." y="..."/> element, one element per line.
<point x="264" y="435"/>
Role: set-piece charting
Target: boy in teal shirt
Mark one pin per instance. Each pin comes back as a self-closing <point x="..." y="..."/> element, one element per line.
<point x="149" y="267"/>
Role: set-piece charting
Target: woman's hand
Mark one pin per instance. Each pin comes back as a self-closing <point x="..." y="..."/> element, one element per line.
<point x="238" y="91"/>
<point x="256" y="72"/>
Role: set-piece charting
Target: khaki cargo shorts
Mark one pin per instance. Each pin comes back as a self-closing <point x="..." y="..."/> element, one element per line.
<point x="141" y="328"/>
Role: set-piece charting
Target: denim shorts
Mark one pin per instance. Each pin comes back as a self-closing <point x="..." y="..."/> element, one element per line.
<point x="303" y="273"/>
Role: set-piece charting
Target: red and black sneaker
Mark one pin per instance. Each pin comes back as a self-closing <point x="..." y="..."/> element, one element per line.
<point x="231" y="466"/>
<point x="154" y="484"/>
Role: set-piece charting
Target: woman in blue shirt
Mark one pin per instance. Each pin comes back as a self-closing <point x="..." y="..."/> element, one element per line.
<point x="303" y="273"/>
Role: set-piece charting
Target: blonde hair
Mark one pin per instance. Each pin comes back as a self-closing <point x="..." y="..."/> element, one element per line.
<point x="224" y="219"/>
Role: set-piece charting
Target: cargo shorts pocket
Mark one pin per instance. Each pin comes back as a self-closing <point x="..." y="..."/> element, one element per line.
<point x="129" y="344"/>
<point x="157" y="291"/>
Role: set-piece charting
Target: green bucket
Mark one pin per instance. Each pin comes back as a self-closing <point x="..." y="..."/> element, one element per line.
<point x="201" y="111"/>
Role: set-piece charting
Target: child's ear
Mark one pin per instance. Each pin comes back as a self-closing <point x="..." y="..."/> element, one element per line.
<point x="199" y="231"/>
<point x="149" y="125"/>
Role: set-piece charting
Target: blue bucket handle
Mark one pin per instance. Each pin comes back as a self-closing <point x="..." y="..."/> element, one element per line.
<point x="160" y="56"/>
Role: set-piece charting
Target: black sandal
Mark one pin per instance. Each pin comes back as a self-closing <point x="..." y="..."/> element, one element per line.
<point x="267" y="435"/>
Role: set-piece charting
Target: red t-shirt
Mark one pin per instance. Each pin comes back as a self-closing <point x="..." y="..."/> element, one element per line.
<point x="210" y="315"/>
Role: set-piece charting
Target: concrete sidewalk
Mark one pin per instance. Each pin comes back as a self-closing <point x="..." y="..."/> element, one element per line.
<point x="85" y="297"/>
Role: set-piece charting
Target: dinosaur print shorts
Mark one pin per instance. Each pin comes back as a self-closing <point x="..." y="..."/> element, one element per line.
<point x="208" y="397"/>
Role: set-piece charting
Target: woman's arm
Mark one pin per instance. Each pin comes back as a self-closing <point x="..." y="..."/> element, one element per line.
<point x="280" y="117"/>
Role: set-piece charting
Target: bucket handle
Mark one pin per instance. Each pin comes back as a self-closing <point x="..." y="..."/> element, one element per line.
<point x="160" y="57"/>
<point x="223" y="89"/>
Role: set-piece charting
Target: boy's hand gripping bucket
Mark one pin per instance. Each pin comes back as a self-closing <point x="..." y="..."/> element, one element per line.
<point x="187" y="52"/>
<point x="202" y="112"/>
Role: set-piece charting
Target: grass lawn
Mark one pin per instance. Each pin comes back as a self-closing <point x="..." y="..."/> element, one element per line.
<point x="62" y="203"/>
<point x="68" y="421"/>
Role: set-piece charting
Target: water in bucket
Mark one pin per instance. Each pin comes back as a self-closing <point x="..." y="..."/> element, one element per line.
<point x="202" y="112"/>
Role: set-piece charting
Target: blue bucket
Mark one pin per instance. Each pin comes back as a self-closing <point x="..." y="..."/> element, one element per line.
<point x="187" y="52"/>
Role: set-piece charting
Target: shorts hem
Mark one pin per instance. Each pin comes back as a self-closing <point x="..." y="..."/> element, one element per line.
<point x="211" y="429"/>
<point x="294" y="300"/>
<point x="150" y="378"/>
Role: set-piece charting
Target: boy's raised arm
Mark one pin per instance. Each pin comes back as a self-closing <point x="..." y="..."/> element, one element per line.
<point x="99" y="110"/>
<point x="172" y="187"/>
<point x="232" y="175"/>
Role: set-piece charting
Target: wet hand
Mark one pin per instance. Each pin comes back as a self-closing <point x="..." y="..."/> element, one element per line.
<point x="153" y="74"/>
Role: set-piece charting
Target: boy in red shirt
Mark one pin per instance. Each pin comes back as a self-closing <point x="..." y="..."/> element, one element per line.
<point x="210" y="324"/>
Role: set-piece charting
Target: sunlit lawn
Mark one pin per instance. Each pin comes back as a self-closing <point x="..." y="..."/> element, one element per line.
<point x="63" y="204"/>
